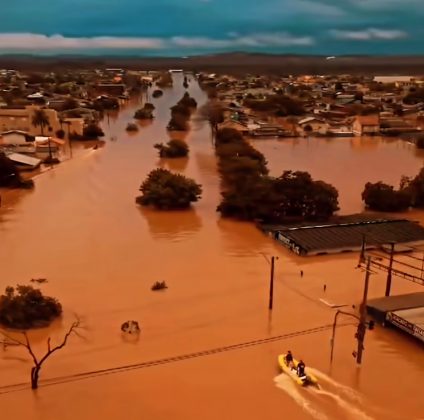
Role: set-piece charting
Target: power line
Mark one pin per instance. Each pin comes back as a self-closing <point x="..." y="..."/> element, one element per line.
<point x="394" y="260"/>
<point x="6" y="389"/>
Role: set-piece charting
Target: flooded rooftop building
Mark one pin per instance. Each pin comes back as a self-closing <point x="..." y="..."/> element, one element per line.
<point x="405" y="312"/>
<point x="345" y="234"/>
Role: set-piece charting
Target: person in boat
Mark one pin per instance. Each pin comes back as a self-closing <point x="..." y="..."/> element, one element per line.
<point x="289" y="358"/>
<point x="301" y="369"/>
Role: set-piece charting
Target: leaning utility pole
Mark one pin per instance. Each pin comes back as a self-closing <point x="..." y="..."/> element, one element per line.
<point x="360" y="334"/>
<point x="389" y="272"/>
<point x="271" y="284"/>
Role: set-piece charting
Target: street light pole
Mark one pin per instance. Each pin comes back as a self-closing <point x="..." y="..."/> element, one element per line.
<point x="333" y="337"/>
<point x="271" y="285"/>
<point x="362" y="326"/>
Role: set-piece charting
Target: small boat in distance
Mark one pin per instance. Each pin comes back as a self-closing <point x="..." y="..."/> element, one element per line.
<point x="306" y="380"/>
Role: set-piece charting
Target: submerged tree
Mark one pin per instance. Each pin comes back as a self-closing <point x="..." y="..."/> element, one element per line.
<point x="173" y="149"/>
<point x="145" y="113"/>
<point x="181" y="112"/>
<point x="9" y="340"/>
<point x="25" y="307"/>
<point x="213" y="112"/>
<point x="92" y="131"/>
<point x="383" y="197"/>
<point x="167" y="191"/>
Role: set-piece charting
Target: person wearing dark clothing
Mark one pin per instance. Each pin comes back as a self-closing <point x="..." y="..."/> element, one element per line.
<point x="289" y="358"/>
<point x="301" y="368"/>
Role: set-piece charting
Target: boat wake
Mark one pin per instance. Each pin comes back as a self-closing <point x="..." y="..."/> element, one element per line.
<point x="346" y="390"/>
<point x="349" y="407"/>
<point x="346" y="400"/>
<point x="285" y="383"/>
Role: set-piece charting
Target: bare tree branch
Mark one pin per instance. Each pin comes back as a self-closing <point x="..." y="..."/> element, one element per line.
<point x="35" y="370"/>
<point x="28" y="346"/>
<point x="11" y="339"/>
<point x="63" y="344"/>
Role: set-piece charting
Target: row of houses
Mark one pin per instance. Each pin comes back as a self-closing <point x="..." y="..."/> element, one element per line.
<point x="22" y="119"/>
<point x="332" y="105"/>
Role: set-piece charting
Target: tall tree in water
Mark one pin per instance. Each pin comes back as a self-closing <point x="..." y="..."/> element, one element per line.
<point x="40" y="119"/>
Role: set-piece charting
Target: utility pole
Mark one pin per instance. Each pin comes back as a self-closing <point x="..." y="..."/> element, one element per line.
<point x="360" y="334"/>
<point x="389" y="272"/>
<point x="68" y="123"/>
<point x="271" y="284"/>
<point x="362" y="253"/>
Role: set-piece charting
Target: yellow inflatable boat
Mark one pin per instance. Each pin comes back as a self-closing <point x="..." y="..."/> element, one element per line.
<point x="308" y="379"/>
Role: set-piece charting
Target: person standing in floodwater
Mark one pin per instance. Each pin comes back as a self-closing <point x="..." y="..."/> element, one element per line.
<point x="301" y="273"/>
<point x="325" y="287"/>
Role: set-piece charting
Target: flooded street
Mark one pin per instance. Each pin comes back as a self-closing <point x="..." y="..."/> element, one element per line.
<point x="81" y="229"/>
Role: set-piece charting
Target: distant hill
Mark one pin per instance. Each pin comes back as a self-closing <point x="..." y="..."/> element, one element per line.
<point x="236" y="62"/>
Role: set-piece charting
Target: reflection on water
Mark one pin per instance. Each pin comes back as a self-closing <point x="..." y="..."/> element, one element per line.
<point x="254" y="241"/>
<point x="90" y="144"/>
<point x="142" y="124"/>
<point x="175" y="164"/>
<point x="178" y="135"/>
<point x="207" y="164"/>
<point x="181" y="225"/>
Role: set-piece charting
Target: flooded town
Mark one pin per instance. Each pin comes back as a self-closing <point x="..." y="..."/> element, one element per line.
<point x="193" y="228"/>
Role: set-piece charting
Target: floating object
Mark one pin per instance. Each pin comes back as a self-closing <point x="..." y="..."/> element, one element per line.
<point x="159" y="285"/>
<point x="130" y="327"/>
<point x="332" y="305"/>
<point x="39" y="280"/>
<point x="308" y="379"/>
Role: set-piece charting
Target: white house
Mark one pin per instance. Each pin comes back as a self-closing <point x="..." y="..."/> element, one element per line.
<point x="313" y="124"/>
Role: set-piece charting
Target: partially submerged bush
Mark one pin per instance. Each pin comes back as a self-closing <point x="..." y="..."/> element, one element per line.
<point x="132" y="127"/>
<point x="173" y="149"/>
<point x="24" y="307"/>
<point x="92" y="131"/>
<point x="145" y="113"/>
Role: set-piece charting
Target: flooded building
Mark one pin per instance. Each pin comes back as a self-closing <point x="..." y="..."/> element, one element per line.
<point x="405" y="312"/>
<point x="345" y="234"/>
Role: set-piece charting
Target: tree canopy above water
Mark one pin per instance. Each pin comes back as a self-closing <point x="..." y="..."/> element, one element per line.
<point x="249" y="193"/>
<point x="167" y="191"/>
<point x="24" y="307"/>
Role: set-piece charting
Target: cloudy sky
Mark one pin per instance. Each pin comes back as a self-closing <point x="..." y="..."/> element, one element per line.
<point x="186" y="27"/>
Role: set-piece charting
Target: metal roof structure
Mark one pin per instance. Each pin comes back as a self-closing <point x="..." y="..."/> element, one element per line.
<point x="347" y="233"/>
<point x="397" y="303"/>
<point x="24" y="160"/>
<point x="405" y="312"/>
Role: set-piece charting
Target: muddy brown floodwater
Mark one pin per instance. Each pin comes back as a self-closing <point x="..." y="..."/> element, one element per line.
<point x="80" y="229"/>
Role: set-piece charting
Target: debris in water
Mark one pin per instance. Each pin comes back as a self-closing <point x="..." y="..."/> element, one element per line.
<point x="39" y="280"/>
<point x="159" y="285"/>
<point x="130" y="327"/>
